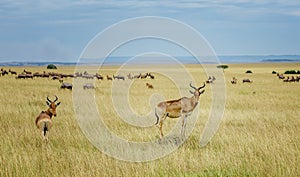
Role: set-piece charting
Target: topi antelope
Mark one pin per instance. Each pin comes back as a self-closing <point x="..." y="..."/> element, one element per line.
<point x="150" y="86"/>
<point x="182" y="107"/>
<point x="44" y="120"/>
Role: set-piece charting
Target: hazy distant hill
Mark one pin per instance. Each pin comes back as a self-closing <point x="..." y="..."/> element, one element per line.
<point x="159" y="60"/>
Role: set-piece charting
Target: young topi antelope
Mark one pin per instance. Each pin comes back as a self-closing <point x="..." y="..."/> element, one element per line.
<point x="182" y="107"/>
<point x="44" y="120"/>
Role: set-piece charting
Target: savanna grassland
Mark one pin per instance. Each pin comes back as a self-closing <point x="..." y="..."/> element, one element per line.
<point x="258" y="136"/>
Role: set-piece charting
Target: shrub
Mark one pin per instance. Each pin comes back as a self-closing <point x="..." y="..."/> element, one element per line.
<point x="274" y="72"/>
<point x="248" y="71"/>
<point x="292" y="72"/>
<point x="51" y="66"/>
<point x="222" y="66"/>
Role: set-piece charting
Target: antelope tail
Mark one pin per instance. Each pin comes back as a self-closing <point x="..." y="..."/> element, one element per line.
<point x="45" y="127"/>
<point x="157" y="117"/>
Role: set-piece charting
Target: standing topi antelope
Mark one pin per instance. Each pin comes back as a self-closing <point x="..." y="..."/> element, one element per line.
<point x="44" y="120"/>
<point x="182" y="107"/>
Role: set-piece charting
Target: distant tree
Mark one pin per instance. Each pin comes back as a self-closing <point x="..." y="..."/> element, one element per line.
<point x="222" y="66"/>
<point x="274" y="72"/>
<point x="51" y="66"/>
<point x="249" y="71"/>
<point x="292" y="72"/>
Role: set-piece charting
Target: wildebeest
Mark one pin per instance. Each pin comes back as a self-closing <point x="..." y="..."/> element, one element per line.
<point x="182" y="107"/>
<point x="247" y="80"/>
<point x="88" y="86"/>
<point x="44" y="120"/>
<point x="119" y="77"/>
<point x="66" y="85"/>
<point x="88" y="76"/>
<point x="287" y="79"/>
<point x="150" y="86"/>
<point x="234" y="80"/>
<point x="56" y="77"/>
<point x="280" y="76"/>
<point x="108" y="78"/>
<point x="24" y="76"/>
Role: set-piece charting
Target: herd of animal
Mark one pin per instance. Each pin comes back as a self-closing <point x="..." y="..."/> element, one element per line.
<point x="178" y="108"/>
<point x="288" y="78"/>
<point x="65" y="85"/>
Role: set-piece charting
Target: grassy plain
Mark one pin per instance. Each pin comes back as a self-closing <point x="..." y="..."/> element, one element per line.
<point x="259" y="134"/>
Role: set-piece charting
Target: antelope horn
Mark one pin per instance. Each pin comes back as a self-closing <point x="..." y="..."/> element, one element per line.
<point x="56" y="98"/>
<point x="192" y="86"/>
<point x="202" y="86"/>
<point x="49" y="100"/>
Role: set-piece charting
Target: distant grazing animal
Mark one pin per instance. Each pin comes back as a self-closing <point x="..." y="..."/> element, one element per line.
<point x="150" y="86"/>
<point x="98" y="76"/>
<point x="182" y="107"/>
<point x="151" y="76"/>
<point x="21" y="76"/>
<point x="44" y="120"/>
<point x="108" y="78"/>
<point x="287" y="79"/>
<point x="129" y="76"/>
<point x="119" y="77"/>
<point x="12" y="72"/>
<point x="56" y="77"/>
<point x="280" y="76"/>
<point x="88" y="76"/>
<point x="24" y="76"/>
<point x="137" y="76"/>
<point x="27" y="72"/>
<point x="234" y="80"/>
<point x="4" y="72"/>
<point x="88" y="86"/>
<point x="210" y="79"/>
<point x="66" y="85"/>
<point x="292" y="79"/>
<point x="247" y="80"/>
<point x="144" y="76"/>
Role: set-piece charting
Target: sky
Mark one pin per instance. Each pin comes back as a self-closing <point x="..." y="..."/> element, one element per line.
<point x="59" y="30"/>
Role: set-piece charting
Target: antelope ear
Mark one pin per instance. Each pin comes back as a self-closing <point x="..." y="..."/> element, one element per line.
<point x="47" y="103"/>
<point x="58" y="104"/>
<point x="192" y="92"/>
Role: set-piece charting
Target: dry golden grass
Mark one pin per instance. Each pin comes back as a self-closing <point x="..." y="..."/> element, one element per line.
<point x="259" y="134"/>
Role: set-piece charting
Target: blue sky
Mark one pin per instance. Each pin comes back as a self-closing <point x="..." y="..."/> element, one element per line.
<point x="60" y="30"/>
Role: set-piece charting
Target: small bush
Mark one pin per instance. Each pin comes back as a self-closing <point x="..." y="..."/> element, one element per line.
<point x="292" y="72"/>
<point x="248" y="71"/>
<point x="274" y="72"/>
<point x="51" y="66"/>
<point x="222" y="66"/>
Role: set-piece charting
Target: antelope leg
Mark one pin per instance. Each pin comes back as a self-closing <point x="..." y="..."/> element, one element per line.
<point x="184" y="118"/>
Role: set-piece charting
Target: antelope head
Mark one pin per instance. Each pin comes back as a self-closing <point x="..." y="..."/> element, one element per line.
<point x="197" y="91"/>
<point x="52" y="106"/>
